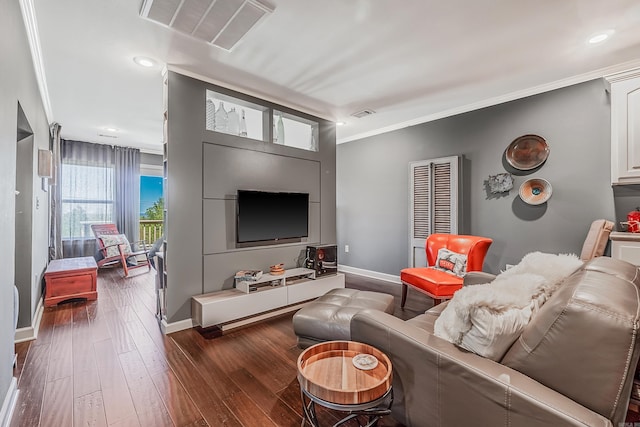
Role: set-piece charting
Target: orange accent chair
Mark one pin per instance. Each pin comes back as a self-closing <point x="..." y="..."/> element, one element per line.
<point x="441" y="285"/>
<point x="120" y="250"/>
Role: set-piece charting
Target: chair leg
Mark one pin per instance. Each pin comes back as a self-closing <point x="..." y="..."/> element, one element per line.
<point x="404" y="295"/>
<point x="124" y="266"/>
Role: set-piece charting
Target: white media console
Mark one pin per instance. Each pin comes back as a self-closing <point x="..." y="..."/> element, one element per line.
<point x="273" y="295"/>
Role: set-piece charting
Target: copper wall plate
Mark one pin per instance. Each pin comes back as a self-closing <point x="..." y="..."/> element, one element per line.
<point x="535" y="191"/>
<point x="527" y="152"/>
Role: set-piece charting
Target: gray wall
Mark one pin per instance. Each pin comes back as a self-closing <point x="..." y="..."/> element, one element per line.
<point x="372" y="194"/>
<point x="18" y="84"/>
<point x="150" y="159"/>
<point x="205" y="169"/>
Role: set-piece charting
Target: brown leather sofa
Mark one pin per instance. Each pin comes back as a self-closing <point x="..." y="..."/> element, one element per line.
<point x="572" y="366"/>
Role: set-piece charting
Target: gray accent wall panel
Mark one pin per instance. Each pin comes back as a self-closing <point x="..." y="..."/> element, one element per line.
<point x="184" y="196"/>
<point x="227" y="170"/>
<point x="150" y="159"/>
<point x="218" y="239"/>
<point x="205" y="170"/>
<point x="372" y="193"/>
<point x="219" y="269"/>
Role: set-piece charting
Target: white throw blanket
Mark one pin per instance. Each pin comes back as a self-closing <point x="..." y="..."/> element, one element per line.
<point x="488" y="318"/>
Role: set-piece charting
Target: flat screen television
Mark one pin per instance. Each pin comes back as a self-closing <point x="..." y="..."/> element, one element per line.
<point x="263" y="217"/>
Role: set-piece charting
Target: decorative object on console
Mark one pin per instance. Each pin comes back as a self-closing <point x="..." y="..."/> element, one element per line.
<point x="248" y="275"/>
<point x="535" y="191"/>
<point x="486" y="319"/>
<point x="500" y="183"/>
<point x="527" y="152"/>
<point x="323" y="259"/>
<point x="276" y="269"/>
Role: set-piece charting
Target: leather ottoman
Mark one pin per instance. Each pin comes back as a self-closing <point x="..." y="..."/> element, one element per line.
<point x="328" y="318"/>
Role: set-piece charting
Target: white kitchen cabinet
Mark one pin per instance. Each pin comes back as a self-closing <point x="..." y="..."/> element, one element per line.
<point x="625" y="126"/>
<point x="625" y="246"/>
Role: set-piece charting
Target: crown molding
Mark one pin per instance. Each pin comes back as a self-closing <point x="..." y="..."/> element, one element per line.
<point x="261" y="96"/>
<point x="31" y="25"/>
<point x="620" y="71"/>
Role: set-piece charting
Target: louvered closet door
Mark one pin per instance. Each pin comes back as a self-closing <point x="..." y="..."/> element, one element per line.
<point x="433" y="203"/>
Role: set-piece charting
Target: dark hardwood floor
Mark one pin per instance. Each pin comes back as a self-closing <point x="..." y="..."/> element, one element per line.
<point x="106" y="362"/>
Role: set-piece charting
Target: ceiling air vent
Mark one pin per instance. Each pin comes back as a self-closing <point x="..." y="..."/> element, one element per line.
<point x="363" y="113"/>
<point x="222" y="23"/>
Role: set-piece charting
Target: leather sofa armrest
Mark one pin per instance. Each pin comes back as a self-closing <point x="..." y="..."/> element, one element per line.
<point x="436" y="383"/>
<point x="477" y="278"/>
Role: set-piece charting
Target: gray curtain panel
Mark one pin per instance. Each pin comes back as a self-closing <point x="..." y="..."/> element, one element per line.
<point x="55" y="231"/>
<point x="98" y="184"/>
<point x="127" y="175"/>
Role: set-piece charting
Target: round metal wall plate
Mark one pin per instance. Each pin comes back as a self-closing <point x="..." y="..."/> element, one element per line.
<point x="527" y="152"/>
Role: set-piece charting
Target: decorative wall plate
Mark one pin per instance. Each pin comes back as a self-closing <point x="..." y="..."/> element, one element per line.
<point x="527" y="152"/>
<point x="535" y="191"/>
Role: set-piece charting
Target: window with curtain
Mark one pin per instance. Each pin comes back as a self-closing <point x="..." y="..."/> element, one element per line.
<point x="98" y="184"/>
<point x="88" y="197"/>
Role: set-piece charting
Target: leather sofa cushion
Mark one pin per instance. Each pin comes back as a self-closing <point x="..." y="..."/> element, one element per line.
<point x="591" y="321"/>
<point x="616" y="268"/>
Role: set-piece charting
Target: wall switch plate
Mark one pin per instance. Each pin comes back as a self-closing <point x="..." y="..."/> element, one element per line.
<point x="346" y="248"/>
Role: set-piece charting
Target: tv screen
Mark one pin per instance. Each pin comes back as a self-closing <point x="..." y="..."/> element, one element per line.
<point x="264" y="216"/>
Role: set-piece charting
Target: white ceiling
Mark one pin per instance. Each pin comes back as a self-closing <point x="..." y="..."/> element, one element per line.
<point x="410" y="61"/>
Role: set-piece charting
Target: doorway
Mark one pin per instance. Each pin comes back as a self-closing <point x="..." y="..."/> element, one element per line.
<point x="24" y="215"/>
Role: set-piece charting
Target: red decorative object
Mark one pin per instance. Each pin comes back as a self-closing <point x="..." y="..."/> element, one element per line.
<point x="633" y="221"/>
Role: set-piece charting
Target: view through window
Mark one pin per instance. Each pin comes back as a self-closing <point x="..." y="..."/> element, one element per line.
<point x="151" y="208"/>
<point x="87" y="198"/>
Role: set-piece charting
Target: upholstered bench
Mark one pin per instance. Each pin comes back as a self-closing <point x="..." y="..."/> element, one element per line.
<point x="329" y="317"/>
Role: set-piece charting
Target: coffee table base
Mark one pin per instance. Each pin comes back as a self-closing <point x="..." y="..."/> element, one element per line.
<point x="374" y="410"/>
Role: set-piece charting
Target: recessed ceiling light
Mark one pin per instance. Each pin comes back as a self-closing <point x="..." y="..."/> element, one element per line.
<point x="600" y="37"/>
<point x="144" y="61"/>
<point x="341" y="123"/>
<point x="111" y="129"/>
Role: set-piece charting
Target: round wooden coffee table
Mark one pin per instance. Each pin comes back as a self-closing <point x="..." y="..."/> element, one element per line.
<point x="328" y="376"/>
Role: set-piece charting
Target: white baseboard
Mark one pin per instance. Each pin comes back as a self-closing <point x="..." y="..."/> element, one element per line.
<point x="31" y="332"/>
<point x="9" y="403"/>
<point x="181" y="325"/>
<point x="369" y="273"/>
